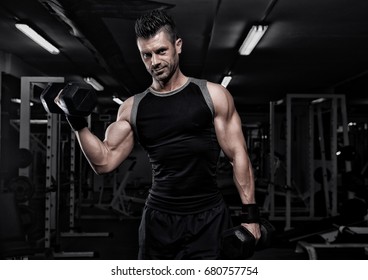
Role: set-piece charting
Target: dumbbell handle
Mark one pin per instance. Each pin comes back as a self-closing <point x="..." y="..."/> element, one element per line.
<point x="250" y="213"/>
<point x="77" y="123"/>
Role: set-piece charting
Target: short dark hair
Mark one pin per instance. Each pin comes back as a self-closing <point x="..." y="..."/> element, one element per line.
<point x="149" y="24"/>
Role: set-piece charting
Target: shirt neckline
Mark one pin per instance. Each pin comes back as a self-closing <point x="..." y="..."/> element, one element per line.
<point x="169" y="93"/>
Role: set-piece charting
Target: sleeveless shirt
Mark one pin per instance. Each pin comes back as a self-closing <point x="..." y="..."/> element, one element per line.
<point x="176" y="129"/>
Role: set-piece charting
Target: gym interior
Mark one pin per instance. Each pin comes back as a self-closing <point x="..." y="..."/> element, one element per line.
<point x="301" y="95"/>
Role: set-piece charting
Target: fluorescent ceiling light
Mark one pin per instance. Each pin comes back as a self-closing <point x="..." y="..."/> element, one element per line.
<point x="37" y="38"/>
<point x="318" y="100"/>
<point x="255" y="34"/>
<point x="117" y="100"/>
<point x="96" y="85"/>
<point x="225" y="81"/>
<point x="279" y="102"/>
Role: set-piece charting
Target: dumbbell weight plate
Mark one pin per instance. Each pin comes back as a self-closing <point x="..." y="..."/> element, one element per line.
<point x="267" y="234"/>
<point x="237" y="243"/>
<point x="48" y="96"/>
<point x="78" y="99"/>
<point x="22" y="187"/>
<point x="24" y="157"/>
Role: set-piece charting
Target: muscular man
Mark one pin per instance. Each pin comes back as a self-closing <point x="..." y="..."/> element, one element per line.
<point x="182" y="123"/>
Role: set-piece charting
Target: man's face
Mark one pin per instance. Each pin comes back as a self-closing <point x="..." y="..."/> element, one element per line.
<point x="160" y="55"/>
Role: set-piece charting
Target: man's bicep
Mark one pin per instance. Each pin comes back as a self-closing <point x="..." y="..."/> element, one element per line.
<point x="229" y="134"/>
<point x="227" y="120"/>
<point x="119" y="135"/>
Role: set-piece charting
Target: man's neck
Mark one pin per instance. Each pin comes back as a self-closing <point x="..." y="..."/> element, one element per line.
<point x="176" y="81"/>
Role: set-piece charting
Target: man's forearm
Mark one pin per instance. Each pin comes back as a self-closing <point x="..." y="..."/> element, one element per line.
<point x="104" y="156"/>
<point x="92" y="147"/>
<point x="244" y="179"/>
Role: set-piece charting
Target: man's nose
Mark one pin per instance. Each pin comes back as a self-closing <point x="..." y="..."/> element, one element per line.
<point x="154" y="60"/>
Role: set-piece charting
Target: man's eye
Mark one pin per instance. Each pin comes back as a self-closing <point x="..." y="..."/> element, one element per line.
<point x="146" y="55"/>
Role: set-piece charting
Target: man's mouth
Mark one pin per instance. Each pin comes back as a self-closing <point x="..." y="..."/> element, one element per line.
<point x="159" y="71"/>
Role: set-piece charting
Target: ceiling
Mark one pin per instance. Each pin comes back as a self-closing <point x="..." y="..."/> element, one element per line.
<point x="309" y="47"/>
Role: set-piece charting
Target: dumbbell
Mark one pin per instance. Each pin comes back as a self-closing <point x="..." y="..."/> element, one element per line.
<point x="75" y="99"/>
<point x="238" y="243"/>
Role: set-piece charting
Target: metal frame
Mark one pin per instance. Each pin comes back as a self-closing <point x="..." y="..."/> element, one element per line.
<point x="51" y="172"/>
<point x="72" y="202"/>
<point x="310" y="248"/>
<point x="311" y="160"/>
<point x="26" y="91"/>
<point x="271" y="185"/>
<point x="1" y="138"/>
<point x="72" y="181"/>
<point x="52" y="165"/>
<point x="334" y="106"/>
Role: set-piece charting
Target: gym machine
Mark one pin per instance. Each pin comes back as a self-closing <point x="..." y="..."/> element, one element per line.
<point x="1" y="121"/>
<point x="72" y="199"/>
<point x="351" y="238"/>
<point x="120" y="201"/>
<point x="24" y="142"/>
<point x="313" y="106"/>
<point x="52" y="232"/>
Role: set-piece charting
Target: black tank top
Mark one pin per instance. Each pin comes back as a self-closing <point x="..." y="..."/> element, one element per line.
<point x="177" y="131"/>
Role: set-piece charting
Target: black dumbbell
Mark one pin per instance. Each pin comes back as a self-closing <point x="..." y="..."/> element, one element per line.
<point x="75" y="99"/>
<point x="238" y="243"/>
<point x="48" y="96"/>
<point x="267" y="234"/>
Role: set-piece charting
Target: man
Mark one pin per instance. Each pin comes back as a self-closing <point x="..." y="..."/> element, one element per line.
<point x="182" y="123"/>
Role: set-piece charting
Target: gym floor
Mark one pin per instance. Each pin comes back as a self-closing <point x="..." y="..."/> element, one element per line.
<point x="102" y="233"/>
<point x="122" y="241"/>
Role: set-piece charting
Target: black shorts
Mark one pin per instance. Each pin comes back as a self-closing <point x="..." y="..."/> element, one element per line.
<point x="168" y="236"/>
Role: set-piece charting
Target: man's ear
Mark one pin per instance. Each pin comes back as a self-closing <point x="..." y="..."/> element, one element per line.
<point x="178" y="45"/>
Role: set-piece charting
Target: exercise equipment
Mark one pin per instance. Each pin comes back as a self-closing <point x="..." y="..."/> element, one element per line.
<point x="29" y="219"/>
<point x="73" y="232"/>
<point x="352" y="234"/>
<point x="339" y="239"/>
<point x="13" y="241"/>
<point x="238" y="243"/>
<point x="27" y="93"/>
<point x="48" y="96"/>
<point x="22" y="188"/>
<point x="52" y="234"/>
<point x="24" y="157"/>
<point x="121" y="201"/>
<point x="304" y="128"/>
<point x="50" y="225"/>
<point x="74" y="99"/>
<point x="267" y="235"/>
<point x="311" y="248"/>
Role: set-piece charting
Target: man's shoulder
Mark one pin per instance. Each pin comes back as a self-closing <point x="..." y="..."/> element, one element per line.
<point x="220" y="96"/>
<point x="216" y="91"/>
<point x="203" y="83"/>
<point x="139" y="95"/>
<point x="215" y="87"/>
<point x="125" y="109"/>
